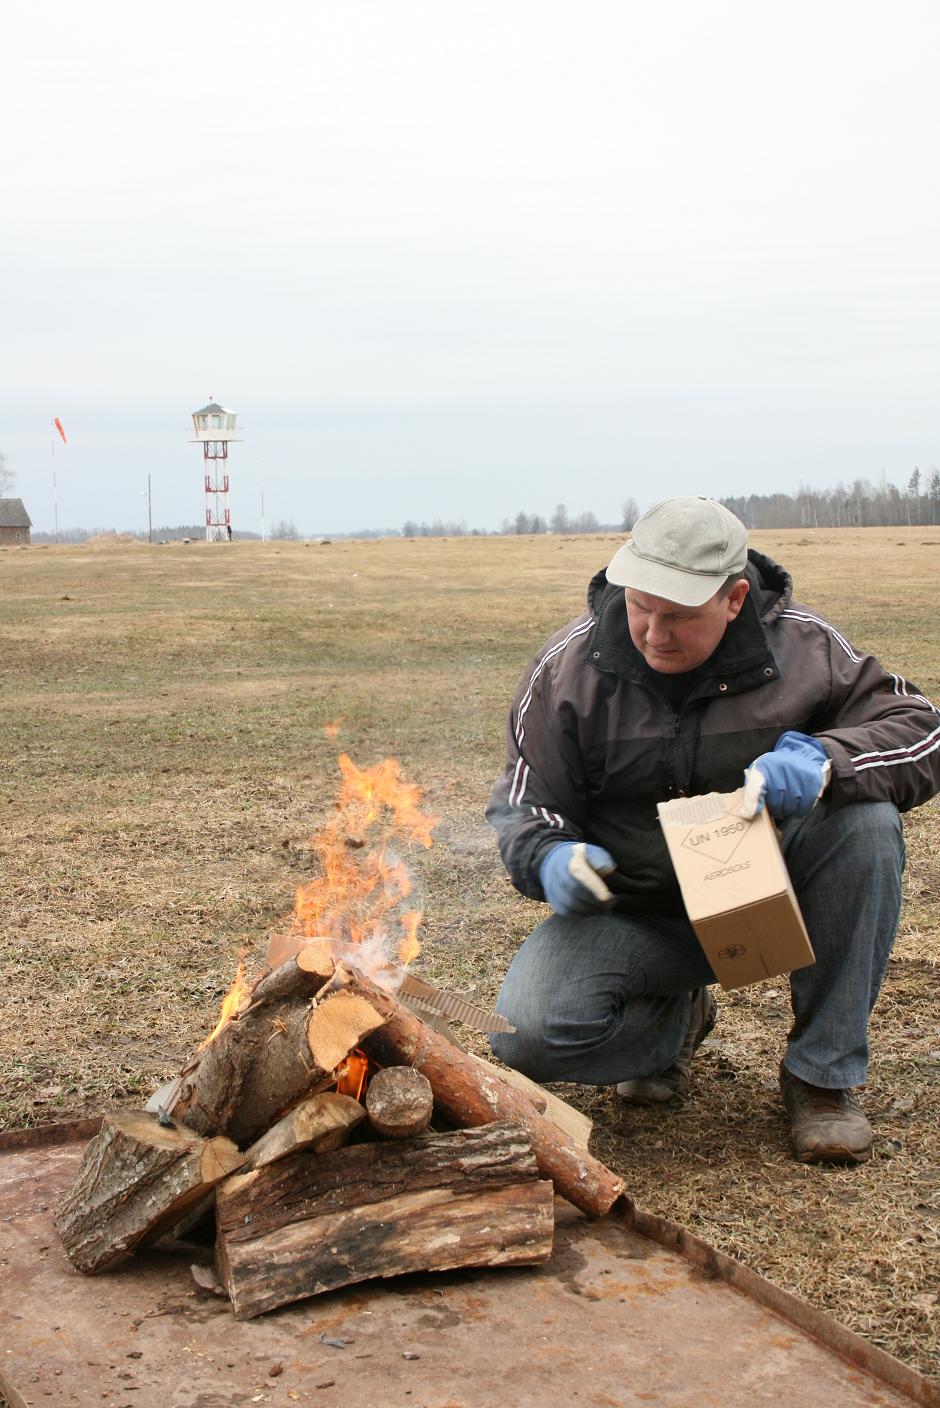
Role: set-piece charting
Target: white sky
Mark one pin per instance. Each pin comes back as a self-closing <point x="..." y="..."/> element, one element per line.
<point x="450" y="260"/>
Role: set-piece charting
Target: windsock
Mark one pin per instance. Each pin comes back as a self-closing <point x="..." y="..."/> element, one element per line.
<point x="58" y="425"/>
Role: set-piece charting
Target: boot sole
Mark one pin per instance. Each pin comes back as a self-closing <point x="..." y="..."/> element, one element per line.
<point x="835" y="1155"/>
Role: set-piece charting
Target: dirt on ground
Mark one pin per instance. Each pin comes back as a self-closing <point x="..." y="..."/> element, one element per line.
<point x="167" y="760"/>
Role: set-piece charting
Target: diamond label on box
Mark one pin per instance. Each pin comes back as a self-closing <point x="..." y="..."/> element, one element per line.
<point x="718" y="841"/>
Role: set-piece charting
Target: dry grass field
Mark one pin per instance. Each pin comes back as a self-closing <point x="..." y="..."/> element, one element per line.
<point x="165" y="764"/>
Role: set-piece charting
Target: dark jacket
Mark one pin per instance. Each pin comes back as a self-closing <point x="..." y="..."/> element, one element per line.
<point x="594" y="741"/>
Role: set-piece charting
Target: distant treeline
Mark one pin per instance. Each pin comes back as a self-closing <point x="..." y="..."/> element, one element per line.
<point x="856" y="505"/>
<point x="860" y="504"/>
<point x="561" y="521"/>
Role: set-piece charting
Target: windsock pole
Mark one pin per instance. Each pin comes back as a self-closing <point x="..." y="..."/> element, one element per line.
<point x="56" y="426"/>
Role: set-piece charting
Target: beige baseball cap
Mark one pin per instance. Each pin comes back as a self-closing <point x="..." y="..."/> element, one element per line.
<point x="683" y="550"/>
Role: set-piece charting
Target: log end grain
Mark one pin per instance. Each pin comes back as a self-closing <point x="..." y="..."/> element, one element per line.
<point x="337" y="1024"/>
<point x="399" y="1102"/>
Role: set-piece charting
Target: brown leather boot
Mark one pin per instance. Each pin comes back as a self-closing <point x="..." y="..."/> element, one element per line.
<point x="674" y="1083"/>
<point x="827" y="1126"/>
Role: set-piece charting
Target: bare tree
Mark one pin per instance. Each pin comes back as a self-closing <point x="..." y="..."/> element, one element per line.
<point x="913" y="495"/>
<point x="631" y="512"/>
<point x="586" y="522"/>
<point x="560" y="522"/>
<point x="933" y="492"/>
<point x="7" y="476"/>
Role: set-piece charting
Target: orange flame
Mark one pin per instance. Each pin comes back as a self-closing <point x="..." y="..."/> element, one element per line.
<point x="352" y="1074"/>
<point x="357" y="897"/>
<point x="409" y="947"/>
<point x="231" y="1002"/>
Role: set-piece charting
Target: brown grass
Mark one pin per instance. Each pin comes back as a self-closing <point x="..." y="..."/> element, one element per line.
<point x="165" y="765"/>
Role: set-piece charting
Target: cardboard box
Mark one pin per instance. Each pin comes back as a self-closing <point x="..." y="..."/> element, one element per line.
<point x="736" y="888"/>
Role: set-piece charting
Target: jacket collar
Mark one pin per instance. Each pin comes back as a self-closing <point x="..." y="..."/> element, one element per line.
<point x="742" y="660"/>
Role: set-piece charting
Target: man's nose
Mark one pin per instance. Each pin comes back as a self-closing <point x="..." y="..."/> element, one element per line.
<point x="656" y="630"/>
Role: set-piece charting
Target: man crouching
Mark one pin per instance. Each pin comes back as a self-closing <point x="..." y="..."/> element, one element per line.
<point x="692" y="666"/>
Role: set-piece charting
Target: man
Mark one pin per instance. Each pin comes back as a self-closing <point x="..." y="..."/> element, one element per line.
<point x="692" y="666"/>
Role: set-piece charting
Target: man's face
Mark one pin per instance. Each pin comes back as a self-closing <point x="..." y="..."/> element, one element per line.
<point x="673" y="638"/>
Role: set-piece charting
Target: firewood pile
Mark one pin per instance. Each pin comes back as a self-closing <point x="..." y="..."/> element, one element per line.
<point x="337" y="1136"/>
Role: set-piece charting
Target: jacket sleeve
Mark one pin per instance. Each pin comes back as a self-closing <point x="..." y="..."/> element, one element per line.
<point x="882" y="734"/>
<point x="539" y="799"/>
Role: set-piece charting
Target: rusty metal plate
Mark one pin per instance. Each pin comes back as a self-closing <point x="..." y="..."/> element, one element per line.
<point x="612" y="1319"/>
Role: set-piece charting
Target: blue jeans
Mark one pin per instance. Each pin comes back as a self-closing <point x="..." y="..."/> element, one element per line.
<point x="602" y="998"/>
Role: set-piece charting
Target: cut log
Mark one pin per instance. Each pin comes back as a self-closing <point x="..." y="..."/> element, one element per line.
<point x="259" y="1063"/>
<point x="283" y="947"/>
<point x="302" y="1226"/>
<point x="298" y="1187"/>
<point x="399" y="1102"/>
<point x="467" y="1094"/>
<point x="318" y="1124"/>
<point x="137" y="1179"/>
<point x="436" y="1230"/>
<point x="300" y="975"/>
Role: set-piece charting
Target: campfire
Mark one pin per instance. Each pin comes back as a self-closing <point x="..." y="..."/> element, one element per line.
<point x="332" y="1121"/>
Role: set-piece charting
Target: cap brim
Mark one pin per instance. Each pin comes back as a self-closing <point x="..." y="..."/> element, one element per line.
<point x="628" y="569"/>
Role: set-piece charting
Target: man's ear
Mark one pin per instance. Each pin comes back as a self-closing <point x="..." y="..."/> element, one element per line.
<point x="735" y="598"/>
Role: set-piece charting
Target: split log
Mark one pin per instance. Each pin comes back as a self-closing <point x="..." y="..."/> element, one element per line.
<point x="468" y="1095"/>
<point x="339" y="1022"/>
<point x="471" y="1197"/>
<point x="259" y="1063"/>
<point x="318" y="1125"/>
<point x="399" y="1102"/>
<point x="137" y="1179"/>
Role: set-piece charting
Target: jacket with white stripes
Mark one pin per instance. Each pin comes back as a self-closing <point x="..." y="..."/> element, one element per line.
<point x="594" y="741"/>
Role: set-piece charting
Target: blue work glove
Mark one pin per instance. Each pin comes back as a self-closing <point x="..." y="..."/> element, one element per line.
<point x="571" y="878"/>
<point x="789" y="781"/>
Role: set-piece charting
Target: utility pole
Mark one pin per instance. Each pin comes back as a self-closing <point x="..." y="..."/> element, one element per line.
<point x="149" y="514"/>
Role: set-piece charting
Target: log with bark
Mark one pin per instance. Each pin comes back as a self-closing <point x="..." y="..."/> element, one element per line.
<point x="558" y="1111"/>
<point x="138" y="1178"/>
<point x="260" y="1063"/>
<point x="471" y="1197"/>
<point x="466" y="1094"/>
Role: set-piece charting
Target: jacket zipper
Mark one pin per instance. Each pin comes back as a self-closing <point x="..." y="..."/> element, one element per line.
<point x="676" y="737"/>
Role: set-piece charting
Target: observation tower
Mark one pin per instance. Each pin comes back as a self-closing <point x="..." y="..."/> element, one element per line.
<point x="215" y="430"/>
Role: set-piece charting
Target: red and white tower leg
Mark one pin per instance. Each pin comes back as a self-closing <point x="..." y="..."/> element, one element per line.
<point x="218" y="518"/>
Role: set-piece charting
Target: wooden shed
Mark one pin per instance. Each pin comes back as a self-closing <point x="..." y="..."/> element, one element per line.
<point x="15" y="523"/>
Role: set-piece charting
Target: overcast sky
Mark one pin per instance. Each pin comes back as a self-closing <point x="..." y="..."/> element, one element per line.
<point x="451" y="260"/>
